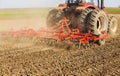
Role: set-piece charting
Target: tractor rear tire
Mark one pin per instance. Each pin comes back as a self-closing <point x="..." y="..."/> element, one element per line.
<point x="54" y="17"/>
<point x="112" y="25"/>
<point x="97" y="23"/>
<point x="83" y="18"/>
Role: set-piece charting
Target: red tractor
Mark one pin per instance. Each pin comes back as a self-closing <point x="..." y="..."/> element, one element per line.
<point x="86" y="15"/>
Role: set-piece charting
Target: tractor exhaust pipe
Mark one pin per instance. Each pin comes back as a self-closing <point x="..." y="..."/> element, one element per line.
<point x="102" y="4"/>
<point x="98" y="4"/>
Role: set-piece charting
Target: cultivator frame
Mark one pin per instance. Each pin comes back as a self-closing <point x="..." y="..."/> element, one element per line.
<point x="61" y="32"/>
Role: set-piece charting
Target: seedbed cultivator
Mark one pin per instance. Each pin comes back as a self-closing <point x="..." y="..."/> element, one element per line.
<point x="60" y="33"/>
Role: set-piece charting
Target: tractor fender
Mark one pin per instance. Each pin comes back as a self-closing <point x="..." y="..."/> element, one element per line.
<point x="85" y="6"/>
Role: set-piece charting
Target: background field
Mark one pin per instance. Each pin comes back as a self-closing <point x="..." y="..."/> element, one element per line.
<point x="27" y="57"/>
<point x="113" y="10"/>
<point x="35" y="18"/>
<point x="42" y="12"/>
<point x="21" y="18"/>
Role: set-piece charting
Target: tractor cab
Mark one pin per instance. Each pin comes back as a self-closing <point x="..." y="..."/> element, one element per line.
<point x="75" y="1"/>
<point x="93" y="3"/>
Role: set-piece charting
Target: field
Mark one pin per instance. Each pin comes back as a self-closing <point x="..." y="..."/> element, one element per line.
<point x="113" y="10"/>
<point x="27" y="57"/>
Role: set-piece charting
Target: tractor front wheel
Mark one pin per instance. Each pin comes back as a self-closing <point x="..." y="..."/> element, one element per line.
<point x="112" y="25"/>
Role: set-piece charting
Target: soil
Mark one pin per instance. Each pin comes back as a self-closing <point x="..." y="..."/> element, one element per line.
<point x="26" y="57"/>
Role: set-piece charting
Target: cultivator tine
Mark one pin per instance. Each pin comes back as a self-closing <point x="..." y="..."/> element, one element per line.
<point x="77" y="45"/>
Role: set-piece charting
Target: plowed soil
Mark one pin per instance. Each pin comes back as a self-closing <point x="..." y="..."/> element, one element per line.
<point x="26" y="57"/>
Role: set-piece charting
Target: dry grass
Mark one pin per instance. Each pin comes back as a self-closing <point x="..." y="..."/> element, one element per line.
<point x="18" y="13"/>
<point x="21" y="18"/>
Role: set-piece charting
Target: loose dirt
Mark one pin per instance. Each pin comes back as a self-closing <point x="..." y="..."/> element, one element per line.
<point x="26" y="57"/>
<point x="20" y="23"/>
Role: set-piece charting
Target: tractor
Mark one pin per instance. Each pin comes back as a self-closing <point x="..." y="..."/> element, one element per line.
<point x="86" y="15"/>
